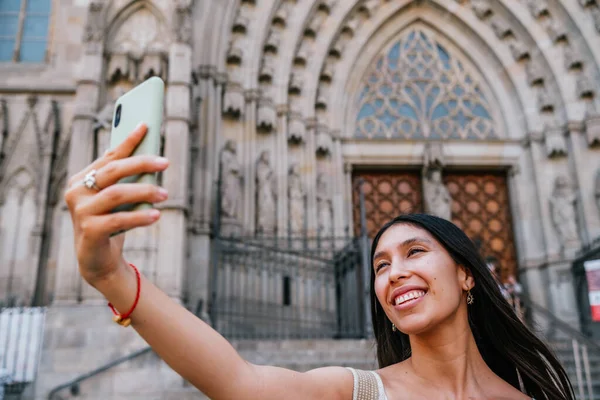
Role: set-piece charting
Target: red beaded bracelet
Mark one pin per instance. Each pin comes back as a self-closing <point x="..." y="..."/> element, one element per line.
<point x="124" y="319"/>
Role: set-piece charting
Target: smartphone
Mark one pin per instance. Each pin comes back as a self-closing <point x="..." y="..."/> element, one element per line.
<point x="144" y="103"/>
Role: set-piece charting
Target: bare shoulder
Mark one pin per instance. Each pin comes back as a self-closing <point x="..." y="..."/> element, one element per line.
<point x="337" y="382"/>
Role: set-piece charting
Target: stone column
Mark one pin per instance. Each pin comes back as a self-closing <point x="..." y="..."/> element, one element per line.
<point x="171" y="266"/>
<point x="339" y="189"/>
<point x="249" y="159"/>
<point x="68" y="282"/>
<point x="281" y="166"/>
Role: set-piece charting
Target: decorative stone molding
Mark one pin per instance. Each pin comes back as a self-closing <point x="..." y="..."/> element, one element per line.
<point x="573" y="59"/>
<point x="273" y="41"/>
<point x="519" y="50"/>
<point x="241" y="21"/>
<point x="183" y="21"/>
<point x="3" y="120"/>
<point x="339" y="45"/>
<point x="545" y="99"/>
<point x="94" y="27"/>
<point x="326" y="5"/>
<point x="595" y="12"/>
<point x="585" y="3"/>
<point x="235" y="54"/>
<point x="315" y="24"/>
<point x="555" y="141"/>
<point x="369" y="7"/>
<point x="322" y="97"/>
<point x="267" y="115"/>
<point x="233" y="101"/>
<point x="324" y="142"/>
<point x="120" y="66"/>
<point x="296" y="83"/>
<point x="153" y="64"/>
<point x="296" y="129"/>
<point x="267" y="70"/>
<point x="563" y="212"/>
<point x="534" y="72"/>
<point x="302" y="53"/>
<point x="592" y="130"/>
<point x="585" y="87"/>
<point x="351" y="25"/>
<point x="482" y="8"/>
<point x="327" y="72"/>
<point x="556" y="30"/>
<point x="282" y="14"/>
<point x="501" y="28"/>
<point x="538" y="8"/>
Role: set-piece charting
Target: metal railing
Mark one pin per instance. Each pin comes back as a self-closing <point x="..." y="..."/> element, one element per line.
<point x="74" y="384"/>
<point x="287" y="288"/>
<point x="572" y="347"/>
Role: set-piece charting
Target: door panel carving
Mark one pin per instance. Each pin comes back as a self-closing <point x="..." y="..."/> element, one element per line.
<point x="481" y="207"/>
<point x="387" y="195"/>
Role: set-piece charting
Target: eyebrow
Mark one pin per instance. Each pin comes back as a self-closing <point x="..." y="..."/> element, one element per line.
<point x="406" y="243"/>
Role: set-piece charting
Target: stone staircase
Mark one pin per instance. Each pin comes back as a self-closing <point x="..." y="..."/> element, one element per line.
<point x="567" y="354"/>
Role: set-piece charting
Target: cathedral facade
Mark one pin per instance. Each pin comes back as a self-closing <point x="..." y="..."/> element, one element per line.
<point x="281" y="118"/>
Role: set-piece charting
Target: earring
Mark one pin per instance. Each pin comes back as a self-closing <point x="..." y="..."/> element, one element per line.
<point x="394" y="329"/>
<point x="470" y="298"/>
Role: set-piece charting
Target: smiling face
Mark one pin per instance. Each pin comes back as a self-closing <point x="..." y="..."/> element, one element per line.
<point x="417" y="283"/>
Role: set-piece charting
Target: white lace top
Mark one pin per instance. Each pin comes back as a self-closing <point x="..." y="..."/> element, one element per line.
<point x="368" y="385"/>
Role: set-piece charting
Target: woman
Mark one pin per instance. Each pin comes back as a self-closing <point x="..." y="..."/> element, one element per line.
<point x="443" y="329"/>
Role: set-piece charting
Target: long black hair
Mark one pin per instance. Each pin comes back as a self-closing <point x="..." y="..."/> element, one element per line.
<point x="508" y="347"/>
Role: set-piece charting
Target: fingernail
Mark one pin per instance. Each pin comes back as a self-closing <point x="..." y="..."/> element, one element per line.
<point x="161" y="161"/>
<point x="154" y="214"/>
<point x="162" y="193"/>
<point x="139" y="125"/>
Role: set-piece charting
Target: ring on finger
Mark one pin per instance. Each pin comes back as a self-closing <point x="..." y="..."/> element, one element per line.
<point x="89" y="180"/>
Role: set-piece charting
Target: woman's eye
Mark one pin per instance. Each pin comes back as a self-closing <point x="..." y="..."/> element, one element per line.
<point x="380" y="265"/>
<point x="414" y="251"/>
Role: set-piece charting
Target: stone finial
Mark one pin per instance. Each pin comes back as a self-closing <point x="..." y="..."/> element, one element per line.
<point x="534" y="72"/>
<point x="592" y="130"/>
<point x="501" y="27"/>
<point x="296" y="129"/>
<point x="433" y="155"/>
<point x="324" y="142"/>
<point x="555" y="141"/>
<point x="326" y="5"/>
<point x="266" y="119"/>
<point x="233" y="101"/>
<point x="481" y="8"/>
<point x="351" y="25"/>
<point x="573" y="58"/>
<point x="545" y="99"/>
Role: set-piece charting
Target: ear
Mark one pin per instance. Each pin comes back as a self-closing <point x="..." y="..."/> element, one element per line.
<point x="465" y="278"/>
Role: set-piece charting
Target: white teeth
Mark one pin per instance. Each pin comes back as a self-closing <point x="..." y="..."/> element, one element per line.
<point x="415" y="294"/>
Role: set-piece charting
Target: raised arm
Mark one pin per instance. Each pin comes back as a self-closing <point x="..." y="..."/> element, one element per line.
<point x="190" y="346"/>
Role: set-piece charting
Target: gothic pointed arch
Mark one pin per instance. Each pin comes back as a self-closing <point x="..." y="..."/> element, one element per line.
<point x="420" y="86"/>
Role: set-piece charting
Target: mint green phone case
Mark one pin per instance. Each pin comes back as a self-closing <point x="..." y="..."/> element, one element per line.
<point x="143" y="103"/>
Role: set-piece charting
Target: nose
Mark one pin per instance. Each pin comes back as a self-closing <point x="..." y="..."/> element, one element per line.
<point x="398" y="271"/>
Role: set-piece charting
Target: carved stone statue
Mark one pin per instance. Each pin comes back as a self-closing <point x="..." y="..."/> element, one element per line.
<point x="265" y="195"/>
<point x="324" y="207"/>
<point x="296" y="197"/>
<point x="437" y="197"/>
<point x="231" y="181"/>
<point x="562" y="209"/>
